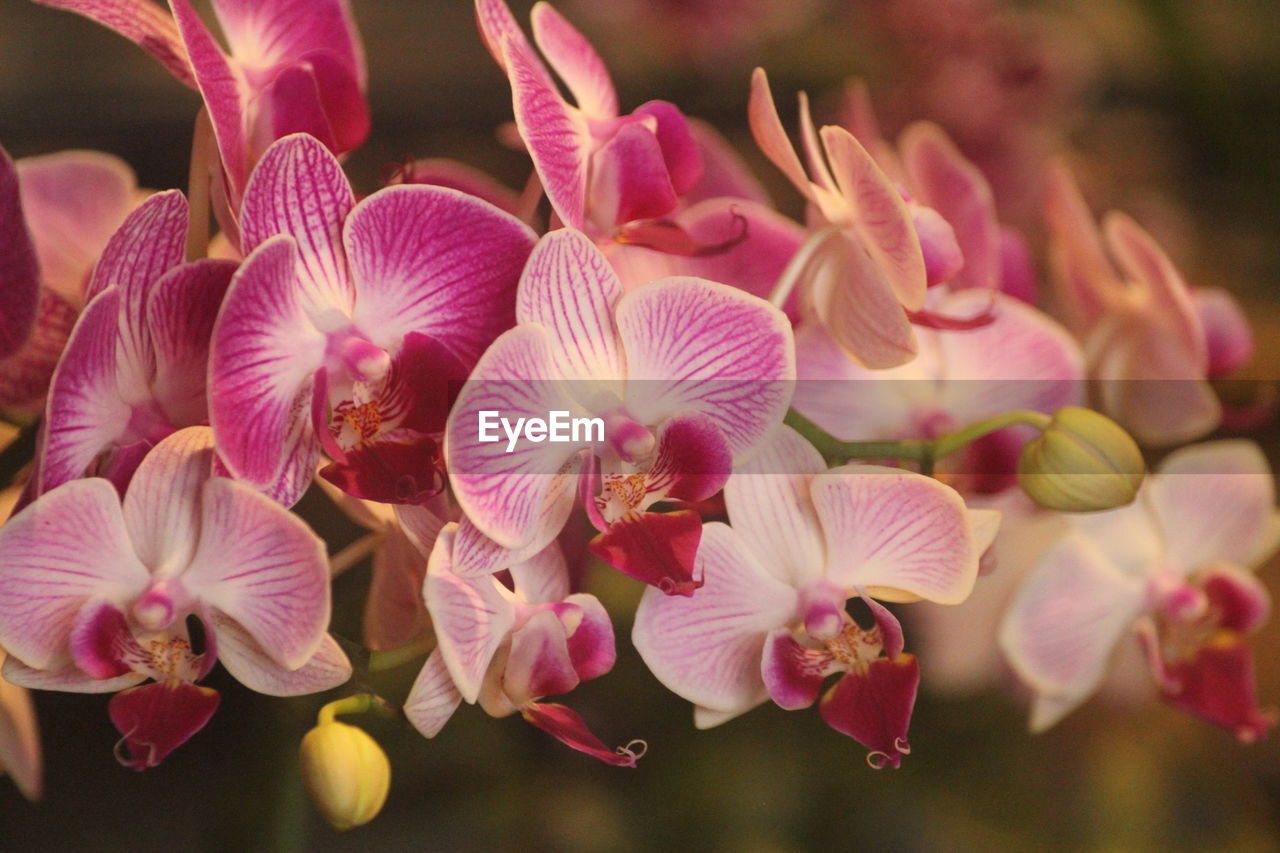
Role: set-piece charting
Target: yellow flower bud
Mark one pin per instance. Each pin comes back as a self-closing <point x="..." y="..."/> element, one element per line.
<point x="346" y="773"/>
<point x="1081" y="462"/>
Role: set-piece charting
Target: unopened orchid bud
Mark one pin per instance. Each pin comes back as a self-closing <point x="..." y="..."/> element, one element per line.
<point x="1081" y="462"/>
<point x="346" y="773"/>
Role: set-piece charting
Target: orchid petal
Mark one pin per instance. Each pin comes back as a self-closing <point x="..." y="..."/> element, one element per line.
<point x="475" y="554"/>
<point x="141" y="22"/>
<point x="162" y="505"/>
<point x="438" y="262"/>
<point x="19" y="270"/>
<point x="1228" y="336"/>
<point x="900" y="535"/>
<point x="576" y="61"/>
<point x="270" y="33"/>
<point x="629" y="179"/>
<point x="708" y="648"/>
<point x="543" y="578"/>
<point x="1218" y="685"/>
<point x="292" y="103"/>
<point x="880" y="216"/>
<point x="298" y="189"/>
<point x="771" y="136"/>
<point x="65" y="548"/>
<point x="1241" y="600"/>
<point x="753" y="265"/>
<point x="456" y="175"/>
<point x="569" y="287"/>
<point x="224" y="90"/>
<point x="394" y="613"/>
<point x="254" y="667"/>
<point x="770" y="508"/>
<point x="725" y="174"/>
<point x="524" y="496"/>
<point x="66" y="679"/>
<point x="147" y="244"/>
<point x="1213" y="502"/>
<point x="155" y="719"/>
<point x="874" y="707"/>
<point x="20" y="753"/>
<point x="853" y="297"/>
<point x="496" y="23"/>
<point x="263" y="358"/>
<point x="1064" y="622"/>
<point x="680" y="150"/>
<point x="567" y="727"/>
<point x="102" y="644"/>
<point x="732" y="358"/>
<point x="792" y="673"/>
<point x="472" y="617"/>
<point x="433" y="697"/>
<point x="1086" y="276"/>
<point x="180" y="315"/>
<point x="85" y="413"/>
<point x="956" y="189"/>
<point x="655" y="548"/>
<point x="262" y="567"/>
<point x="591" y="643"/>
<point x="25" y="376"/>
<point x="539" y="663"/>
<point x="555" y="133"/>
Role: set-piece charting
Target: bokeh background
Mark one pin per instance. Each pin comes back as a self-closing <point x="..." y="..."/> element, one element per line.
<point x="1169" y="109"/>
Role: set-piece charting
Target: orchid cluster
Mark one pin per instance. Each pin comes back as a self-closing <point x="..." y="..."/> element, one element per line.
<point x="794" y="434"/>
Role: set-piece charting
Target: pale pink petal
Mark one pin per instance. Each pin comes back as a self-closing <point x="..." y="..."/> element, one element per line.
<point x="1040" y="365"/>
<point x="1144" y="262"/>
<point x="692" y="344"/>
<point x="880" y="216"/>
<point x="475" y="554"/>
<point x="755" y="264"/>
<point x="770" y="135"/>
<point x="25" y="375"/>
<point x="472" y="617"/>
<point x="298" y="189"/>
<point x="147" y="244"/>
<point x="576" y="61"/>
<point x="555" y="133"/>
<point x="956" y="189"/>
<point x="1129" y="536"/>
<point x="522" y="497"/>
<point x="1228" y="336"/>
<point x="85" y="413"/>
<point x="66" y="679"/>
<point x="1066" y="620"/>
<point x="263" y="359"/>
<point x="569" y="287"/>
<point x="707" y="648"/>
<point x="253" y="667"/>
<point x="394" y="613"/>
<point x="543" y="578"/>
<point x="1086" y="278"/>
<point x="435" y="261"/>
<point x="900" y="535"/>
<point x="591" y="641"/>
<point x="262" y="567"/>
<point x="180" y="314"/>
<point x="162" y="504"/>
<point x="141" y="22"/>
<point x="1213" y="502"/>
<point x="67" y="547"/>
<point x="850" y="293"/>
<point x="771" y="511"/>
<point x="224" y="89"/>
<point x="20" y="754"/>
<point x="496" y="24"/>
<point x="19" y="271"/>
<point x="433" y="697"/>
<point x="725" y="173"/>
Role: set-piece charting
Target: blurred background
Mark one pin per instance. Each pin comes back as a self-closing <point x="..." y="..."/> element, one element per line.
<point x="1168" y="108"/>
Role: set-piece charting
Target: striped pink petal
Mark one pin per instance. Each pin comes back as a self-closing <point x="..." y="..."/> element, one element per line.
<point x="435" y="261"/>
<point x="147" y="244"/>
<point x="728" y="355"/>
<point x="576" y="61"/>
<point x="19" y="271"/>
<point x="162" y="509"/>
<point x="250" y="664"/>
<point x="433" y="698"/>
<point x="264" y="33"/>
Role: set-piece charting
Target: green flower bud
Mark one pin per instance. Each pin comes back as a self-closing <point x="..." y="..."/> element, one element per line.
<point x="1081" y="462"/>
<point x="346" y="773"/>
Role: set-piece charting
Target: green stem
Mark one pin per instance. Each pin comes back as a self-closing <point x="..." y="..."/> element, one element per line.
<point x="380" y="661"/>
<point x="357" y="703"/>
<point x="953" y="441"/>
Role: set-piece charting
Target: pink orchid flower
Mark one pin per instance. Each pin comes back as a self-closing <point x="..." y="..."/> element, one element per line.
<point x="507" y="646"/>
<point x="770" y="620"/>
<point x="347" y="321"/>
<point x="954" y="382"/>
<point x="862" y="272"/>
<point x="1143" y="338"/>
<point x="56" y="213"/>
<point x="1173" y="568"/>
<point x="134" y="366"/>
<point x="685" y="375"/>
<point x="295" y="66"/>
<point x="616" y="177"/>
<point x="96" y="592"/>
